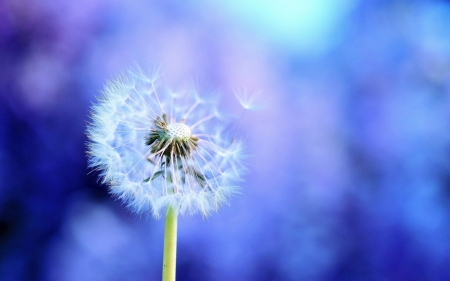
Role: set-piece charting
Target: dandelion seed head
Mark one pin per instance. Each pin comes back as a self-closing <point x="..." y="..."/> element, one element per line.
<point x="156" y="147"/>
<point x="178" y="131"/>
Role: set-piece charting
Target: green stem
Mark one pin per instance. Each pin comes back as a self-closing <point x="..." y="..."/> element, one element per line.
<point x="170" y="246"/>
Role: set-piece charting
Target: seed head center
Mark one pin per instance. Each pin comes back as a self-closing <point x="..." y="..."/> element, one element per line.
<point x="178" y="131"/>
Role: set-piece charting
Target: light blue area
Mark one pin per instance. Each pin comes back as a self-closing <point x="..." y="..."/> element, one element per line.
<point x="304" y="26"/>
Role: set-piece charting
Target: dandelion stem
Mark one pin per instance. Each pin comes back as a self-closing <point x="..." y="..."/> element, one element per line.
<point x="170" y="246"/>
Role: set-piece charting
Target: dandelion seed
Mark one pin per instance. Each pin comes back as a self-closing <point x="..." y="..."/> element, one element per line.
<point x="250" y="101"/>
<point x="158" y="148"/>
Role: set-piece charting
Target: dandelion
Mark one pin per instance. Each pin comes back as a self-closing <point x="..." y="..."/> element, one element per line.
<point x="163" y="150"/>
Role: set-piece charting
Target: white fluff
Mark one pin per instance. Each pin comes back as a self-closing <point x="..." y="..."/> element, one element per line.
<point x="120" y="122"/>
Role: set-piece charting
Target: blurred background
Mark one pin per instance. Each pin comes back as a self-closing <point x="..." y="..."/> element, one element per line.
<point x="349" y="174"/>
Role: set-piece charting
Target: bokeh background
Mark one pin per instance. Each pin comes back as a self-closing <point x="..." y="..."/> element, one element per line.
<point x="349" y="174"/>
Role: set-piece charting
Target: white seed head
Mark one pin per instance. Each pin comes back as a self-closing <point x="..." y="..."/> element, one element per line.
<point x="152" y="164"/>
<point x="178" y="131"/>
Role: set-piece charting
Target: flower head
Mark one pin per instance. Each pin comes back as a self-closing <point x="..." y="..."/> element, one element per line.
<point x="158" y="148"/>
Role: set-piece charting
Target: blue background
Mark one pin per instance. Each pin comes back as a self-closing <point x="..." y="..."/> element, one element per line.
<point x="349" y="174"/>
